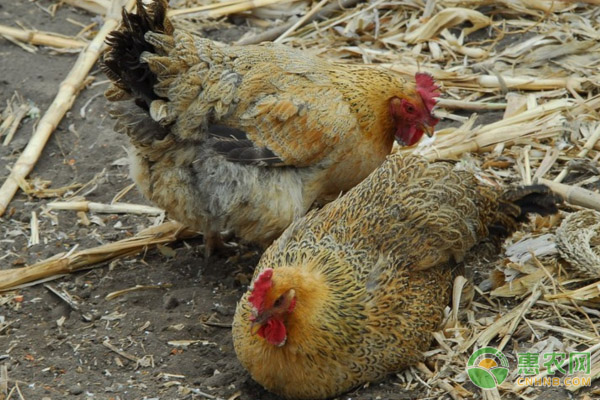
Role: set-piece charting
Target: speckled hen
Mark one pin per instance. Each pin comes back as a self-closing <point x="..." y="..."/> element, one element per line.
<point x="248" y="138"/>
<point x="353" y="291"/>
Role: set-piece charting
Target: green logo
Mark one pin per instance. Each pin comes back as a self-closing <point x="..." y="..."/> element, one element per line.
<point x="487" y="368"/>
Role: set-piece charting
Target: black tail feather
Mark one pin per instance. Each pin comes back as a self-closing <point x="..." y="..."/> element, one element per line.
<point x="122" y="62"/>
<point x="516" y="204"/>
<point x="531" y="199"/>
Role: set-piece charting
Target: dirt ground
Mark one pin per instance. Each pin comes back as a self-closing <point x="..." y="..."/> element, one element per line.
<point x="132" y="346"/>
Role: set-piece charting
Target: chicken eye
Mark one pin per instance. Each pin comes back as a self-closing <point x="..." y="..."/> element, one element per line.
<point x="409" y="108"/>
<point x="278" y="302"/>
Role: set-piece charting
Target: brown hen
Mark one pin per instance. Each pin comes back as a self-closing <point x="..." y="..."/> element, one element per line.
<point x="353" y="292"/>
<point x="247" y="138"/>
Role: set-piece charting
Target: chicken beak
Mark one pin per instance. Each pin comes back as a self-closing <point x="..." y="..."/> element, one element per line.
<point x="258" y="321"/>
<point x="428" y="129"/>
<point x="254" y="328"/>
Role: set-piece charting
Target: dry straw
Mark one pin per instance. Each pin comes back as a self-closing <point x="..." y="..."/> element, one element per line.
<point x="65" y="263"/>
<point x="42" y="38"/>
<point x="94" y="6"/>
<point x="114" y="208"/>
<point x="16" y="110"/>
<point x="225" y="8"/>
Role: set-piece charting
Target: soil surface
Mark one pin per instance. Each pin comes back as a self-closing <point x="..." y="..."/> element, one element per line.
<point x="168" y="340"/>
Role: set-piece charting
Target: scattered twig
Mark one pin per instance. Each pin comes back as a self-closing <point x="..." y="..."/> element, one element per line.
<point x="520" y="286"/>
<point x="34" y="237"/>
<point x="19" y="391"/>
<point x="189" y="342"/>
<point x="526" y="306"/>
<point x="121" y="193"/>
<point x="193" y="10"/>
<point x="229" y="8"/>
<point x="217" y="324"/>
<point x="120" y="352"/>
<point x="68" y="263"/>
<point x="116" y="208"/>
<point x="499" y="326"/>
<point x="42" y="38"/>
<point x="204" y="394"/>
<point x="136" y="288"/>
<point x="39" y="188"/>
<point x="565" y="331"/>
<point x="575" y="195"/>
<point x="278" y="30"/>
<point x="477" y="82"/>
<point x="4" y="379"/>
<point x="301" y="21"/>
<point x="591" y="291"/>
<point x="13" y="117"/>
<point x="470" y="105"/>
<point x="64" y="296"/>
<point x="93" y="6"/>
<point x="589" y="144"/>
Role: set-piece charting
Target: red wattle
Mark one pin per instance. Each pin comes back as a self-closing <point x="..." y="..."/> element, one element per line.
<point x="274" y="332"/>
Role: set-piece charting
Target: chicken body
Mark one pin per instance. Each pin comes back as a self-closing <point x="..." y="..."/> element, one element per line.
<point x="247" y="138"/>
<point x="353" y="292"/>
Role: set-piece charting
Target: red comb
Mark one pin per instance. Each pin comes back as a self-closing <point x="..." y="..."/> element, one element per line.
<point x="427" y="89"/>
<point x="260" y="287"/>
